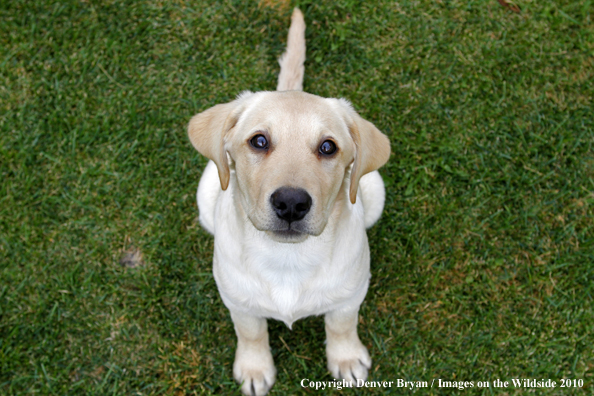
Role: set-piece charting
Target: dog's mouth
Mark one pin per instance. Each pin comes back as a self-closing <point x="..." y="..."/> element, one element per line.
<point x="288" y="235"/>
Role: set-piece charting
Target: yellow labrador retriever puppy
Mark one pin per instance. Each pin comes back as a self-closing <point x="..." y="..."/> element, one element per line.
<point x="289" y="191"/>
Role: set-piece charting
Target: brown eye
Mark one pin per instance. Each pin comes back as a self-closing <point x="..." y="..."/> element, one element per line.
<point x="259" y="142"/>
<point x="328" y="147"/>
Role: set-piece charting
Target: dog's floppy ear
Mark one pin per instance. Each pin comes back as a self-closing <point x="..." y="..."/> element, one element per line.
<point x="372" y="148"/>
<point x="208" y="132"/>
<point x="373" y="151"/>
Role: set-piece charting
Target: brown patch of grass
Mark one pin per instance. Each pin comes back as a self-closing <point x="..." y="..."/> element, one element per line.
<point x="282" y="6"/>
<point x="433" y="315"/>
<point x="132" y="257"/>
<point x="180" y="364"/>
<point x="97" y="373"/>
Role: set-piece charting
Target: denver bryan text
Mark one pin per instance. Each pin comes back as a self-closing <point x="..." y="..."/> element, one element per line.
<point x="339" y="384"/>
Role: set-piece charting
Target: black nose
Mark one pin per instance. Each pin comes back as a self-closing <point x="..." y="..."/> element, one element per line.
<point x="290" y="204"/>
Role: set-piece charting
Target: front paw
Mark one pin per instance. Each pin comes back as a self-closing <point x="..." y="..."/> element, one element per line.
<point x="348" y="361"/>
<point x="255" y="373"/>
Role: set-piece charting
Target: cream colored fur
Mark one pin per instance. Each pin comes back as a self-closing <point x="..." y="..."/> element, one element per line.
<point x="320" y="266"/>
<point x="291" y="62"/>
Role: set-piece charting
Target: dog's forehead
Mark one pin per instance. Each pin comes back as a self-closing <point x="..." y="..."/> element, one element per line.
<point x="292" y="113"/>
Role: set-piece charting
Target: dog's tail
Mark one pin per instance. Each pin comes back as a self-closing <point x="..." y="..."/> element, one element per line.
<point x="291" y="62"/>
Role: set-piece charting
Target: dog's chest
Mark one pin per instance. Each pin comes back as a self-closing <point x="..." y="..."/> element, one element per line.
<point x="288" y="282"/>
<point x="292" y="281"/>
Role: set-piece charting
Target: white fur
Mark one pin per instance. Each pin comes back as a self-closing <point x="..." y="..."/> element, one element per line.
<point x="206" y="196"/>
<point x="321" y="266"/>
<point x="373" y="194"/>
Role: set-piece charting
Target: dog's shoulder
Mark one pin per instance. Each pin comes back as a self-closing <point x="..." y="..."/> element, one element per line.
<point x="207" y="196"/>
<point x="373" y="195"/>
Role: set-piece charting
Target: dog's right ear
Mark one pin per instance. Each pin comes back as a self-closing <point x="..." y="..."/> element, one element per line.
<point x="208" y="132"/>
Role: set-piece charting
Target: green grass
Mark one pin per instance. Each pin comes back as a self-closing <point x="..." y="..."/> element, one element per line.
<point x="482" y="264"/>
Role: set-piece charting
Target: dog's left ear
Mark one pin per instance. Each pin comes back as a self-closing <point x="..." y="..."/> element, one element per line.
<point x="208" y="133"/>
<point x="372" y="148"/>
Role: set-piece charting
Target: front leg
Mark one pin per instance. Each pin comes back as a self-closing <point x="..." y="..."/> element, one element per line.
<point x="253" y="367"/>
<point x="347" y="356"/>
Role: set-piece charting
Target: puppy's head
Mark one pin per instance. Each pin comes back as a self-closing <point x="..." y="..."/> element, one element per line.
<point x="294" y="156"/>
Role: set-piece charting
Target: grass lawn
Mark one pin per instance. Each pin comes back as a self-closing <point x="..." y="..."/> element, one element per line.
<point x="483" y="261"/>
